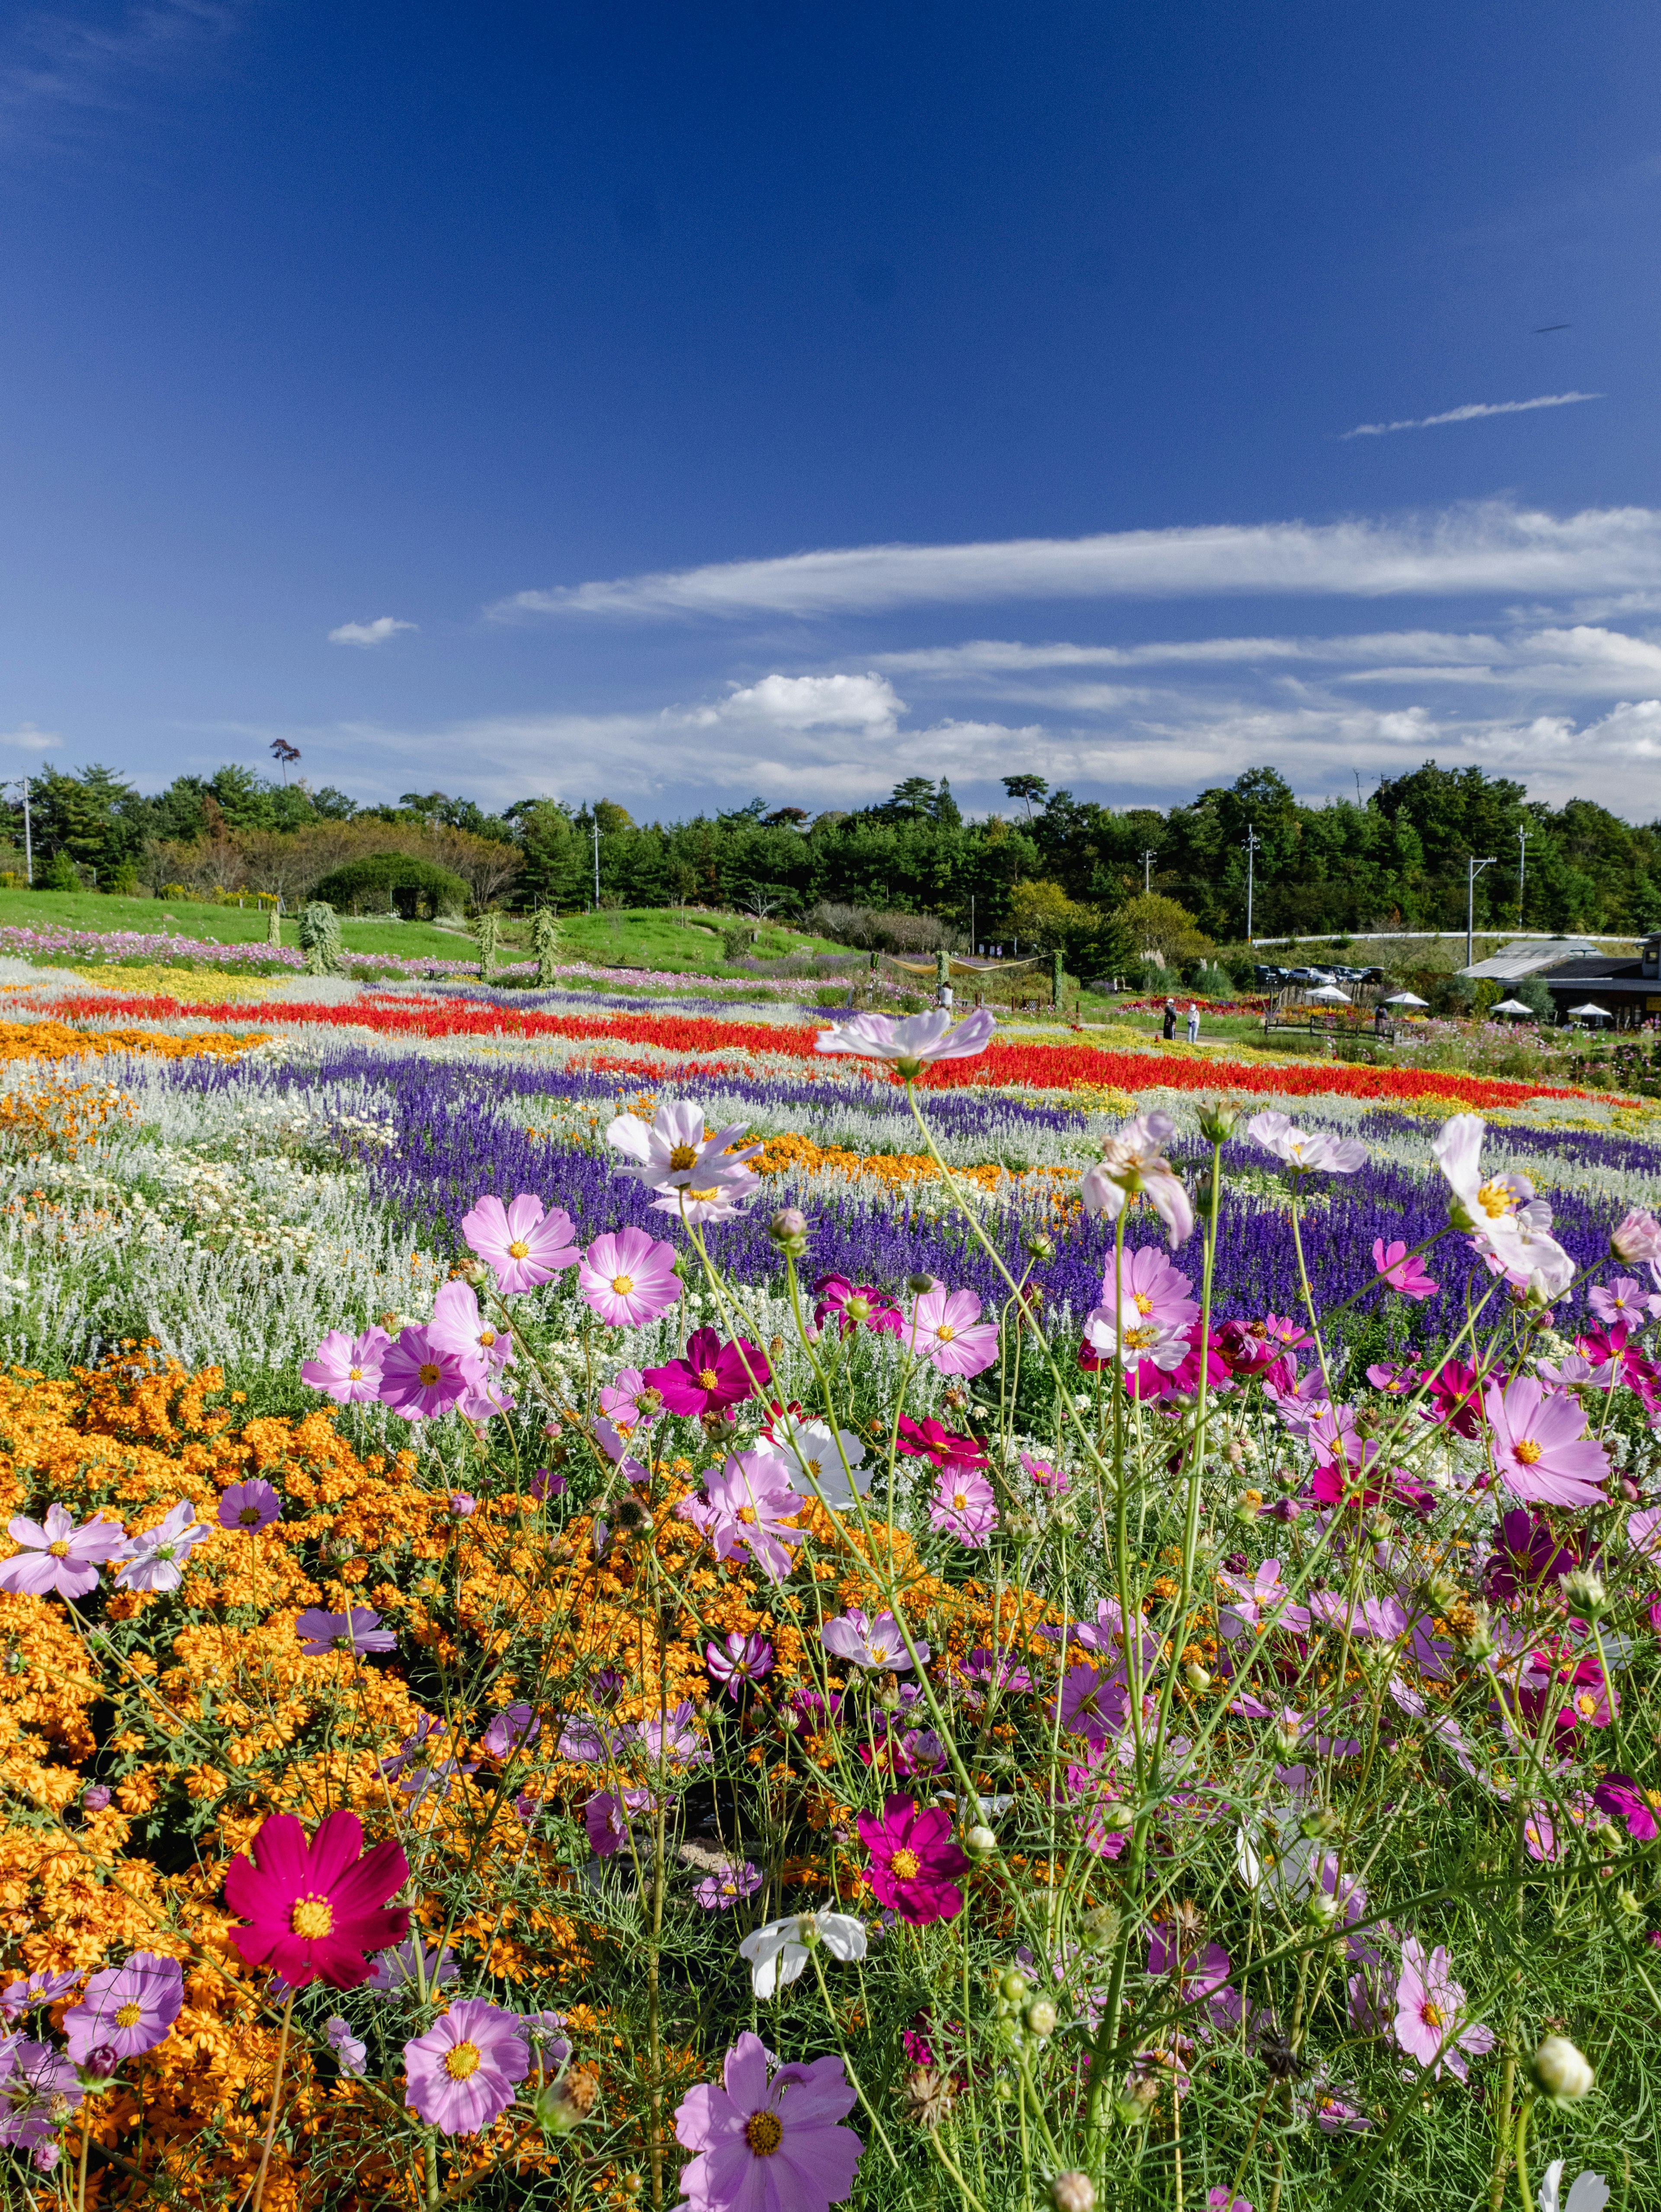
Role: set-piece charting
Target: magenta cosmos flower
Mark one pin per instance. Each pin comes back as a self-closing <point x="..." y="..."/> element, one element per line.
<point x="422" y="1377"/>
<point x="524" y="1245"/>
<point x="1429" y="2013"/>
<point x="126" y="2009"/>
<point x="463" y="2072"/>
<point x="768" y="2146"/>
<point x="712" y="1377"/>
<point x="627" y="1278"/>
<point x="1404" y="1272"/>
<point x="347" y="1368"/>
<point x="963" y="1505"/>
<point x="1620" y="1796"/>
<point x="1540" y="1450"/>
<point x="316" y="1908"/>
<point x="854" y="1303"/>
<point x="945" y="1328"/>
<point x="57" y="1556"/>
<point x="251" y="1505"/>
<point x="928" y="1440"/>
<point x="913" y="1860"/>
<point x="741" y="1659"/>
<point x="913" y="1044"/>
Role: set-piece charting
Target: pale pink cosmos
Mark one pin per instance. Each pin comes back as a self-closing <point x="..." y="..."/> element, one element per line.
<point x="524" y="1244"/>
<point x="1539" y="1445"/>
<point x="1149" y="1289"/>
<point x="747" y="1507"/>
<point x="57" y="1557"/>
<point x="1626" y="1300"/>
<point x="1430" y="2013"/>
<point x="421" y="1379"/>
<point x="912" y="1044"/>
<point x="1133" y="1161"/>
<point x="1304" y="1152"/>
<point x="701" y="1204"/>
<point x="628" y="1402"/>
<point x="126" y="2010"/>
<point x="157" y="1556"/>
<point x="1508" y="1225"/>
<point x="1403" y="1271"/>
<point x="673" y="1153"/>
<point x="963" y="1505"/>
<point x="1165" y="1345"/>
<point x="865" y="1642"/>
<point x="768" y="2146"/>
<point x="1637" y="1240"/>
<point x="462" y="2074"/>
<point x="627" y="1278"/>
<point x="1263" y="1601"/>
<point x="347" y="1368"/>
<point x="945" y="1327"/>
<point x="616" y="1449"/>
<point x="460" y="1327"/>
<point x="1052" y="1480"/>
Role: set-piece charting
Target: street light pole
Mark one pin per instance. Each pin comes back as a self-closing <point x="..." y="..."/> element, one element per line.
<point x="1149" y="859"/>
<point x="597" y="864"/>
<point x="1251" y="843"/>
<point x="1474" y="868"/>
<point x="1523" y="837"/>
<point x="29" y="840"/>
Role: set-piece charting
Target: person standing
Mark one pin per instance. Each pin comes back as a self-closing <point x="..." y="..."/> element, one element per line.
<point x="1170" y="1020"/>
<point x="1193" y="1023"/>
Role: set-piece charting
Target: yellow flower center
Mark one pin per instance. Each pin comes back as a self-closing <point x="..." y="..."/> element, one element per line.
<point x="747" y="1513"/>
<point x="959" y="1499"/>
<point x="487" y="1337"/>
<point x="906" y="1864"/>
<point x="1430" y="2013"/>
<point x="622" y="1285"/>
<point x="1529" y="1450"/>
<point x="1495" y="1200"/>
<point x="764" y="2132"/>
<point x="708" y="1379"/>
<point x="1138" y="1340"/>
<point x="518" y="1250"/>
<point x="430" y="1373"/>
<point x="1586" y="1704"/>
<point x="129" y="2014"/>
<point x="311" y="1917"/>
<point x="60" y="1550"/>
<point x="1143" y="1303"/>
<point x="814" y="1468"/>
<point x="462" y="2061"/>
<point x="354" y="1374"/>
<point x="683" y="1157"/>
<point x="705" y="1196"/>
<point x="945" y="1331"/>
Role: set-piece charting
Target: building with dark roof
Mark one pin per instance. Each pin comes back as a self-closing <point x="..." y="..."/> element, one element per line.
<point x="1627" y="990"/>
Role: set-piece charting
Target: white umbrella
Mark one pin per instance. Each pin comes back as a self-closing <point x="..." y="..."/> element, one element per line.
<point x="1330" y="995"/>
<point x="1589" y="1012"/>
<point x="1511" y="1006"/>
<point x="1406" y="999"/>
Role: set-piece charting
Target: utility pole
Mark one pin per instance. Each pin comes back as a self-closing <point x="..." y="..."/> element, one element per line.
<point x="971" y="922"/>
<point x="1474" y="868"/>
<point x="1149" y="859"/>
<point x="1523" y="837"/>
<point x="596" y="863"/>
<point x="1251" y="844"/>
<point x="29" y="838"/>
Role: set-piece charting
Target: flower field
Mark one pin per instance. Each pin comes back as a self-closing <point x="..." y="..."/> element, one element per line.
<point x="622" y="1606"/>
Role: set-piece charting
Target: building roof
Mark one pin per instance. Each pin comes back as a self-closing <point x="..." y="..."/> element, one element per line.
<point x="1617" y="979"/>
<point x="1531" y="956"/>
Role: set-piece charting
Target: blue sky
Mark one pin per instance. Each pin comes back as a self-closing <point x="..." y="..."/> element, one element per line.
<point x="685" y="404"/>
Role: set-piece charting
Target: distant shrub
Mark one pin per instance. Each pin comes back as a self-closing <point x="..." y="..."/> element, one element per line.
<point x="375" y="879"/>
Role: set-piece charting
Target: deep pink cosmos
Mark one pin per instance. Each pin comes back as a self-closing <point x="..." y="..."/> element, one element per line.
<point x="1402" y="1272"/>
<point x="421" y="1378"/>
<point x="1620" y="1796"/>
<point x="928" y="1440"/>
<point x="854" y="1303"/>
<point x="315" y="1908"/>
<point x="914" y="1861"/>
<point x="712" y="1377"/>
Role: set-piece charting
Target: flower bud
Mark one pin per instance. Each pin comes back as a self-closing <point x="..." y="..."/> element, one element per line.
<point x="918" y="1285"/>
<point x="1320" y="1823"/>
<point x="102" y="2060"/>
<point x="979" y="1842"/>
<point x="557" y="2109"/>
<point x="1041" y="2017"/>
<point x="1135" y="2103"/>
<point x="474" y="1272"/>
<point x="1322" y="1909"/>
<point x="788" y="1231"/>
<point x="1037" y="1246"/>
<point x="1013" y="1985"/>
<point x="1441" y="1590"/>
<point x="1196" y="1678"/>
<point x="1585" y="1590"/>
<point x="1561" y="2072"/>
<point x="1073" y="2192"/>
<point x="1217" y="1122"/>
<point x="95" y="1798"/>
<point x="1248" y="1505"/>
<point x="888" y="1693"/>
<point x="462" y="1505"/>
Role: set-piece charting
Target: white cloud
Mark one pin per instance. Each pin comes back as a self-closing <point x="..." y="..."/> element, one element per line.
<point x="1473" y="412"/>
<point x="867" y="703"/>
<point x="30" y="739"/>
<point x="371" y="633"/>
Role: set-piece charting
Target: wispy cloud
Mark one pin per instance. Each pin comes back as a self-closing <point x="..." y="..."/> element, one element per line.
<point x="61" y="68"/>
<point x="29" y="739"/>
<point x="1473" y="413"/>
<point x="378" y="632"/>
<point x="1490" y="548"/>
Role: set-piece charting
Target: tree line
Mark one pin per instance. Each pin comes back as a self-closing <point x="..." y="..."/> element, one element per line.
<point x="1063" y="866"/>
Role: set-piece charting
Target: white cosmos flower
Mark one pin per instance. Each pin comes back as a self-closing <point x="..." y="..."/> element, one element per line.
<point x="912" y="1044"/>
<point x="1590" y="2192"/>
<point x="1133" y="1159"/>
<point x="778" y="1952"/>
<point x="1506" y="1221"/>
<point x="673" y="1152"/>
<point x="1141" y="1339"/>
<point x="812" y="1458"/>
<point x="1304" y="1149"/>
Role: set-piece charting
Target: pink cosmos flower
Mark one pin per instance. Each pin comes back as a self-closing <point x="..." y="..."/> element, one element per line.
<point x="513" y="1727"/>
<point x="606" y="1823"/>
<point x="1401" y="1273"/>
<point x="459" y="1327"/>
<point x="912" y="1044"/>
<point x="854" y="1303"/>
<point x="1050" y="1479"/>
<point x="742" y="1659"/>
<point x="702" y="1203"/>
<point x="1508" y="1225"/>
<point x="1095" y="1701"/>
<point x="421" y="1378"/>
<point x="347" y="1368"/>
<point x="865" y="1642"/>
<point x="720" y="1893"/>
<point x="126" y="2009"/>
<point x="746" y="1507"/>
<point x="1150" y="1290"/>
<point x="627" y="1278"/>
<point x="671" y="1734"/>
<point x="628" y="1402"/>
<point x="1624" y="1300"/>
<point x="350" y="2050"/>
<point x="1620" y="1796"/>
<point x="928" y="1440"/>
<point x="616" y="1450"/>
<point x="768" y="2146"/>
<point x="672" y="1153"/>
<point x="1430" y="2013"/>
<point x="945" y="1327"/>
<point x="964" y="1505"/>
<point x="251" y="1505"/>
<point x="524" y="1245"/>
<point x="1638" y="1239"/>
<point x="157" y="1556"/>
<point x="57" y="1556"/>
<point x="39" y="2086"/>
<point x="316" y="1908"/>
<point x="1133" y="1161"/>
<point x="914" y="1861"/>
<point x="1263" y="1601"/>
<point x="1539" y="1445"/>
<point x="712" y="1377"/>
<point x="1304" y="1151"/>
<point x="462" y="2074"/>
<point x="360" y="1629"/>
<point x="1134" y="1342"/>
